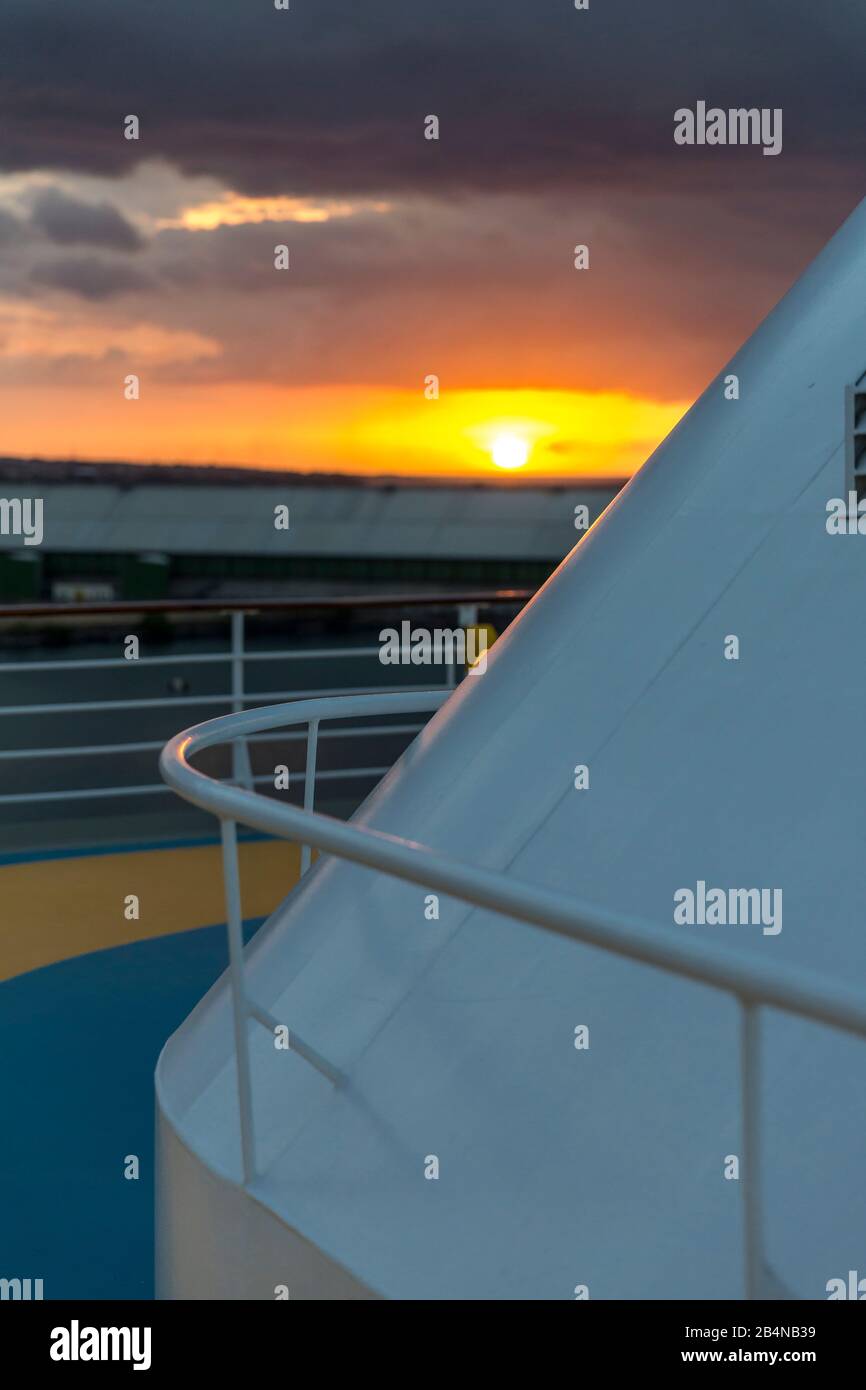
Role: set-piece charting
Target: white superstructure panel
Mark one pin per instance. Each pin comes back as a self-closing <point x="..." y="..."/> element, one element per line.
<point x="602" y="1167"/>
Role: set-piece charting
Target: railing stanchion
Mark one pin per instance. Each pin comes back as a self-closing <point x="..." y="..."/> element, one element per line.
<point x="467" y="616"/>
<point x="240" y="1006"/>
<point x="755" y="985"/>
<point x="231" y="693"/>
<point x="310" y="784"/>
<point x="750" y="1177"/>
<point x="241" y="769"/>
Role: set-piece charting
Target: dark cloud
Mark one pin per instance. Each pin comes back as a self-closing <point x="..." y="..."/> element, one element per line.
<point x="90" y="277"/>
<point x="330" y="96"/>
<point x="69" y="222"/>
<point x="483" y="291"/>
<point x="556" y="128"/>
<point x="11" y="229"/>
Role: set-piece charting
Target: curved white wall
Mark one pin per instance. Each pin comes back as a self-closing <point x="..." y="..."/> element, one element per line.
<point x="604" y="1168"/>
<point x="214" y="1241"/>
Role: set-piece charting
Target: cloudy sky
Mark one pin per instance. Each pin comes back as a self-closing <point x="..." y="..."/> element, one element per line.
<point x="408" y="257"/>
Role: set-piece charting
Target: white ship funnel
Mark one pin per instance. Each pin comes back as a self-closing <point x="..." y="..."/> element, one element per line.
<point x="701" y="654"/>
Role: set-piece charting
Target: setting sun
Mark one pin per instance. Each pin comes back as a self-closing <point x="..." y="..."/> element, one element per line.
<point x="509" y="451"/>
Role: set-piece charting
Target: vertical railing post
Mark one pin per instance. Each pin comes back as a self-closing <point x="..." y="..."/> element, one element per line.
<point x="750" y="1177"/>
<point x="241" y="769"/>
<point x="467" y="616"/>
<point x="310" y="784"/>
<point x="240" y="1008"/>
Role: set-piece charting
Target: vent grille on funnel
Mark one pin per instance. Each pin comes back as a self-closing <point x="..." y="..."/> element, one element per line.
<point x="855" y="437"/>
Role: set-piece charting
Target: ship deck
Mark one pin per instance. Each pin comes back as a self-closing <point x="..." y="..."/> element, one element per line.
<point x="87" y="1000"/>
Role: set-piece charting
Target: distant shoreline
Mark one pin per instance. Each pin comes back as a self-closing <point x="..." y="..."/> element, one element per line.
<point x="79" y="471"/>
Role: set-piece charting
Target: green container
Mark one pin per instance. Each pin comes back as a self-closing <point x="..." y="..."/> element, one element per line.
<point x="144" y="576"/>
<point x="20" y="575"/>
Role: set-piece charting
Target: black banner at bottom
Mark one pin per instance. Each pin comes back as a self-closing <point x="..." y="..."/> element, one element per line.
<point x="158" y="1338"/>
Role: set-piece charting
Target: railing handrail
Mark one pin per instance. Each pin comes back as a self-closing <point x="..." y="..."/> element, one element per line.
<point x="236" y="657"/>
<point x="778" y="986"/>
<point x="753" y="985"/>
<point x="325" y="603"/>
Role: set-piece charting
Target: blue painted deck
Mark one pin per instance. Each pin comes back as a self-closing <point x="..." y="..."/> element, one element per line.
<point x="80" y="1040"/>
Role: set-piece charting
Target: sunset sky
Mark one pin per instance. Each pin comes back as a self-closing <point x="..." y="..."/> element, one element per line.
<point x="408" y="257"/>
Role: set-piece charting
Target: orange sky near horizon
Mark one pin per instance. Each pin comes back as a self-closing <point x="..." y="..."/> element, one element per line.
<point x="186" y="297"/>
<point x="351" y="429"/>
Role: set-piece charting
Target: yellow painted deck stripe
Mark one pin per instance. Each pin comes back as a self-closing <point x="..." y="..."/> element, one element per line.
<point x="54" y="909"/>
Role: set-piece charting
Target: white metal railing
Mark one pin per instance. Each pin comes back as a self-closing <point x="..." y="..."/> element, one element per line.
<point x="754" y="985"/>
<point x="236" y="657"/>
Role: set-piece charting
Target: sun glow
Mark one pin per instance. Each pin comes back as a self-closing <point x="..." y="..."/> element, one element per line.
<point x="509" y="451"/>
<point x="352" y="429"/>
